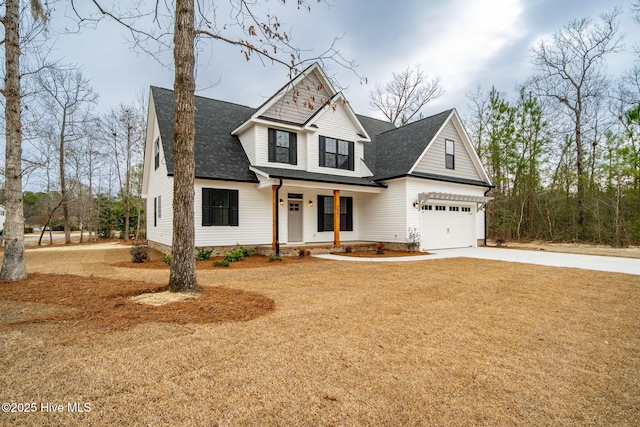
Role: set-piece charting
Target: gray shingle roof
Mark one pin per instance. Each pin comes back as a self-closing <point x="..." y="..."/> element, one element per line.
<point x="398" y="150"/>
<point x="373" y="128"/>
<point x="301" y="175"/>
<point x="218" y="154"/>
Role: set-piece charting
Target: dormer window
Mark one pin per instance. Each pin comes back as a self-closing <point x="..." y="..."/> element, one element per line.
<point x="335" y="153"/>
<point x="283" y="147"/>
<point x="449" y="154"/>
<point x="156" y="155"/>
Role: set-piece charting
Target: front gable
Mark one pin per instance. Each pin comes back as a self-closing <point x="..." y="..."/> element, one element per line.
<point x="465" y="161"/>
<point x="301" y="100"/>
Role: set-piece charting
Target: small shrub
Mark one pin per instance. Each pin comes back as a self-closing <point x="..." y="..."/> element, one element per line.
<point x="233" y="256"/>
<point x="348" y="249"/>
<point x="167" y="259"/>
<point x="414" y="239"/>
<point x="28" y="230"/>
<point x="302" y="252"/>
<point x="221" y="263"/>
<point x="501" y="239"/>
<point x="380" y="248"/>
<point x="237" y="254"/>
<point x="275" y="258"/>
<point x="244" y="251"/>
<point x="203" y="254"/>
<point x="139" y="252"/>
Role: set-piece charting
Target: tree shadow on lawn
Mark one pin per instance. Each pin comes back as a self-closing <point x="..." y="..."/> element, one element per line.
<point x="106" y="304"/>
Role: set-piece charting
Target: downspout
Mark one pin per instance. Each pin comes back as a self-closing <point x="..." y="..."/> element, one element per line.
<point x="278" y="218"/>
<point x="485" y="217"/>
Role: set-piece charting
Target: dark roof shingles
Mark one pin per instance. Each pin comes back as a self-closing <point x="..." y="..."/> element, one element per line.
<point x="397" y="151"/>
<point x="218" y="154"/>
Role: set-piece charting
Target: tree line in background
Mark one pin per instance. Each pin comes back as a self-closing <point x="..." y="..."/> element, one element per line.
<point x="564" y="151"/>
<point x="87" y="166"/>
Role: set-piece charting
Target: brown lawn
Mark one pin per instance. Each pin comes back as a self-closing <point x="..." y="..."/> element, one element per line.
<point x="439" y="342"/>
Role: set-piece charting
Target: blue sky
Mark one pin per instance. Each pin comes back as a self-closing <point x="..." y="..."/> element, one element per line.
<point x="465" y="42"/>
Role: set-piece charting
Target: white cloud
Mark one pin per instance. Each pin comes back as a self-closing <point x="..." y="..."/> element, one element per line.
<point x="467" y="36"/>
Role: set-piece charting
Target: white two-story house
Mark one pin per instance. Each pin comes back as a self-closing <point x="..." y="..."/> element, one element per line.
<point x="304" y="168"/>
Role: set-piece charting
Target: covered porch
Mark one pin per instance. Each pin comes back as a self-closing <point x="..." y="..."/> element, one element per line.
<point x="314" y="210"/>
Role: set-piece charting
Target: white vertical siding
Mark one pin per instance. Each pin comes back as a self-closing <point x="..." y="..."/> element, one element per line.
<point x="383" y="216"/>
<point x="301" y="101"/>
<point x="434" y="159"/>
<point x="254" y="216"/>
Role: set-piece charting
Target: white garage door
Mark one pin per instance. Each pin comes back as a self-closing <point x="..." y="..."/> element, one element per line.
<point x="447" y="226"/>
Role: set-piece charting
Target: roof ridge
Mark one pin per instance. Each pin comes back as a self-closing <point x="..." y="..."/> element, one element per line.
<point x="207" y="98"/>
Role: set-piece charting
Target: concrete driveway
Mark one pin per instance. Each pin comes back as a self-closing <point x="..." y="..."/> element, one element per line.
<point x="552" y="259"/>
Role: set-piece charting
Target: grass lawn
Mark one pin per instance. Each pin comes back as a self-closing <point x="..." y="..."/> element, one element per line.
<point x="442" y="342"/>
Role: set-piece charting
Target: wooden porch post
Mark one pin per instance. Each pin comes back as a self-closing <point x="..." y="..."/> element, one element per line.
<point x="336" y="217"/>
<point x="274" y="215"/>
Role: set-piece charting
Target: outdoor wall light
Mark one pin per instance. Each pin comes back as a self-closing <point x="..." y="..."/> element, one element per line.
<point x="416" y="204"/>
<point x="281" y="202"/>
<point x="310" y="204"/>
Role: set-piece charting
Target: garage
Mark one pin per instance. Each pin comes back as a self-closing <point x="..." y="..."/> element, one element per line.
<point x="448" y="220"/>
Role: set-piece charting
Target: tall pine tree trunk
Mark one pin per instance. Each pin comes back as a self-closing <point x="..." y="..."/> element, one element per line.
<point x="13" y="262"/>
<point x="182" y="277"/>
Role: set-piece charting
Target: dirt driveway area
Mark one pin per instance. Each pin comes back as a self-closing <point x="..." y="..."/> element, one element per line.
<point x="442" y="342"/>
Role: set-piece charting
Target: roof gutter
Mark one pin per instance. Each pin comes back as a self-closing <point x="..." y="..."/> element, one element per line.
<point x="278" y="218"/>
<point x="485" y="217"/>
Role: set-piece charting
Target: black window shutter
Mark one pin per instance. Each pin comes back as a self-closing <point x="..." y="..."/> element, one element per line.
<point x="349" y="213"/>
<point x="233" y="207"/>
<point x="293" y="148"/>
<point x="155" y="211"/>
<point x="207" y="194"/>
<point x="272" y="145"/>
<point x="322" y="149"/>
<point x="351" y="156"/>
<point x="320" y="213"/>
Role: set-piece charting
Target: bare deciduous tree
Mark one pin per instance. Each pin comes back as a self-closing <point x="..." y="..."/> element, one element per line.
<point x="67" y="98"/>
<point x="256" y="37"/>
<point x="126" y="126"/>
<point x="404" y="96"/>
<point x="571" y="69"/>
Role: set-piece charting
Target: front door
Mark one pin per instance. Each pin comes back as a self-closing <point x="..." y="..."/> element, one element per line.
<point x="295" y="221"/>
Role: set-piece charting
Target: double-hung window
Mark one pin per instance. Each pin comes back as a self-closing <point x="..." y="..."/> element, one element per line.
<point x="449" y="154"/>
<point x="219" y="207"/>
<point x="325" y="213"/>
<point x="283" y="147"/>
<point x="335" y="153"/>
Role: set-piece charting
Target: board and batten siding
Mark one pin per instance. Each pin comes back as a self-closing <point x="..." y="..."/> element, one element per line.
<point x="415" y="186"/>
<point x="254" y="216"/>
<point x="335" y="122"/>
<point x="383" y="216"/>
<point x="300" y="101"/>
<point x="434" y="159"/>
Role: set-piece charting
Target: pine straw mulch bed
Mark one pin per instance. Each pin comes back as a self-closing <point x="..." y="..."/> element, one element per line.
<point x="106" y="304"/>
<point x="253" y="261"/>
<point x="374" y="254"/>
